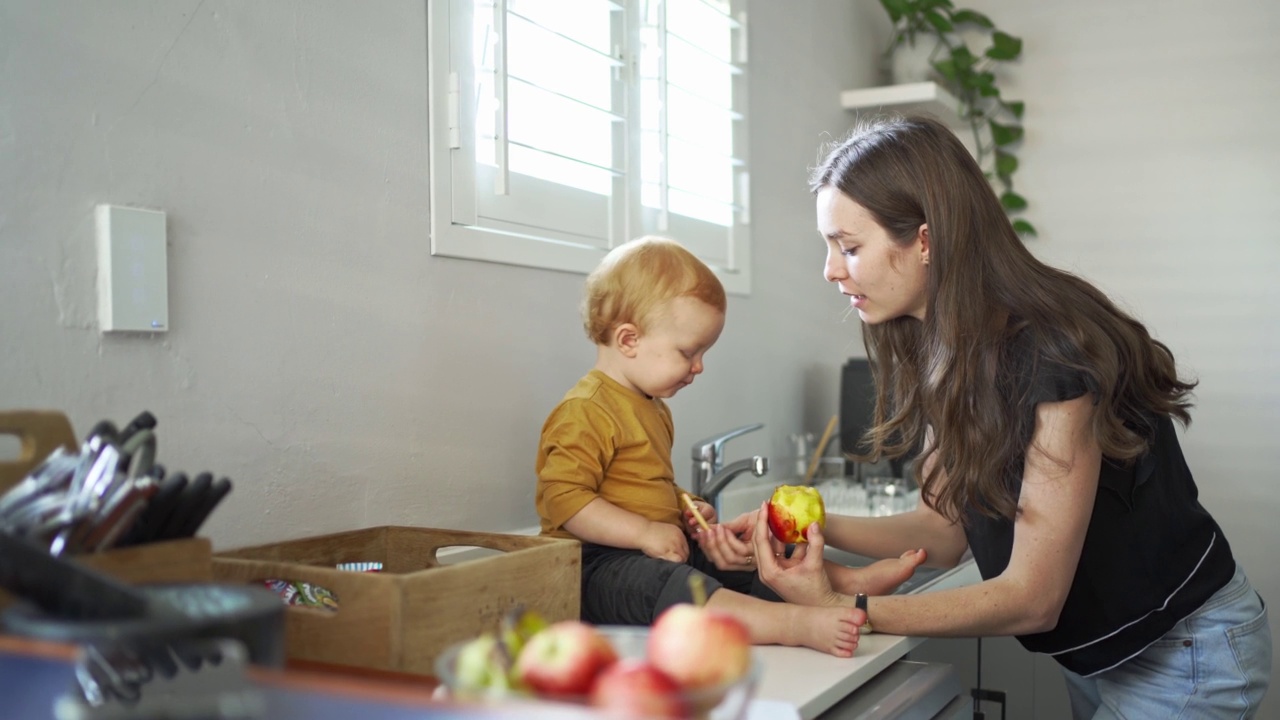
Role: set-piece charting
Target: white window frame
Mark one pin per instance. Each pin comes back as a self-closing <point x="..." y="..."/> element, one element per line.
<point x="456" y="229"/>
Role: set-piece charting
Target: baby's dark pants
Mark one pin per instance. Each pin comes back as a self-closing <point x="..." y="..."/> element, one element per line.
<point x="627" y="587"/>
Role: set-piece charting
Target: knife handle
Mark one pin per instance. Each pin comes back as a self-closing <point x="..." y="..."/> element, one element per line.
<point x="185" y="507"/>
<point x="205" y="507"/>
<point x="156" y="512"/>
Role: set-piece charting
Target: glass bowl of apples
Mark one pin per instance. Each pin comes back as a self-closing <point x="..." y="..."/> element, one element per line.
<point x="693" y="663"/>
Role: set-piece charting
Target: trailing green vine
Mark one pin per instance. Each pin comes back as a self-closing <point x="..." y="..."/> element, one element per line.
<point x="996" y="123"/>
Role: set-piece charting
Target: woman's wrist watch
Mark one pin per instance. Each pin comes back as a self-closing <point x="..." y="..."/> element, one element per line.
<point x="860" y="602"/>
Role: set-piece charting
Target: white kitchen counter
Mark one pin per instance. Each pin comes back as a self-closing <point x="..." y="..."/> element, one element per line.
<point x="813" y="681"/>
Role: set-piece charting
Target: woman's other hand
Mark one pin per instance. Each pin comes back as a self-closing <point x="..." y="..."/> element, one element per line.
<point x="799" y="579"/>
<point x="725" y="549"/>
<point x="743" y="526"/>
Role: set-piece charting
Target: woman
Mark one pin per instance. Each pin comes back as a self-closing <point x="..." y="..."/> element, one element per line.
<point x="1044" y="419"/>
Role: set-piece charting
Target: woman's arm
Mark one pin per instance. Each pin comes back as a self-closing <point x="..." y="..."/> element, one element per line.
<point x="1060" y="481"/>
<point x="884" y="537"/>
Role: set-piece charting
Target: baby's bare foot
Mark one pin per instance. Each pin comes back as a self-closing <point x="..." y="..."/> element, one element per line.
<point x="827" y="629"/>
<point x="879" y="578"/>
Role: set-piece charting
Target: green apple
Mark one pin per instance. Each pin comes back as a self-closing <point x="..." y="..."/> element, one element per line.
<point x="483" y="666"/>
<point x="517" y="626"/>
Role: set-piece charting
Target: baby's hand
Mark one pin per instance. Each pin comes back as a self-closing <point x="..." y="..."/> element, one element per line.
<point x="665" y="542"/>
<point x="707" y="512"/>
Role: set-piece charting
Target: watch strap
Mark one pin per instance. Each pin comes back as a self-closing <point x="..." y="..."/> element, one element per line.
<point x="860" y="602"/>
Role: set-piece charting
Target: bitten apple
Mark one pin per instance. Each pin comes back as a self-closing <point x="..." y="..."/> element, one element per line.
<point x="635" y="688"/>
<point x="564" y="659"/>
<point x="792" y="509"/>
<point x="699" y="647"/>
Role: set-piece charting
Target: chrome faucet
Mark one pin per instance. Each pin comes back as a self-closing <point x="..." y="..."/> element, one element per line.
<point x="711" y="475"/>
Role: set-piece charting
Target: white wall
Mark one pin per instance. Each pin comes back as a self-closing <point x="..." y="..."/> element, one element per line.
<point x="319" y="356"/>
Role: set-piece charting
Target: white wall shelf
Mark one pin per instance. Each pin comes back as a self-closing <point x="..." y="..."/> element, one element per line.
<point x="927" y="97"/>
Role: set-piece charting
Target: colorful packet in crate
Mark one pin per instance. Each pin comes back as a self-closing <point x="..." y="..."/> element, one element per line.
<point x="296" y="593"/>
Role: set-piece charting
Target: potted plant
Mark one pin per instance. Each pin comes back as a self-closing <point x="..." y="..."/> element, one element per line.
<point x="934" y="27"/>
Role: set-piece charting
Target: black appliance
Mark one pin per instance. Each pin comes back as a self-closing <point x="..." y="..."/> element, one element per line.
<point x="857" y="412"/>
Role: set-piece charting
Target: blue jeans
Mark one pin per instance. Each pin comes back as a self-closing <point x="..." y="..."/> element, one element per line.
<point x="1216" y="663"/>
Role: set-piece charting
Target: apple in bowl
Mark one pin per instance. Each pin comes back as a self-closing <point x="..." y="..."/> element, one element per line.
<point x="699" y="647"/>
<point x="792" y="509"/>
<point x="564" y="659"/>
<point x="716" y="677"/>
<point x="635" y="688"/>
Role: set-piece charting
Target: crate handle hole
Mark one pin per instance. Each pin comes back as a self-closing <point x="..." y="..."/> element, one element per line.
<point x="11" y="448"/>
<point x="454" y="554"/>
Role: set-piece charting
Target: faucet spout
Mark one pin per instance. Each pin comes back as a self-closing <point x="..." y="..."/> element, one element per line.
<point x="708" y="461"/>
<point x="757" y="465"/>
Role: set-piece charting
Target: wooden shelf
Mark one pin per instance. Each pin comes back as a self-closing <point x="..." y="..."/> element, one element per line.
<point x="927" y="97"/>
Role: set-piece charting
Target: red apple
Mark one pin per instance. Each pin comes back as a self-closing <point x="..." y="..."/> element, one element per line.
<point x="634" y="688"/>
<point x="699" y="647"/>
<point x="792" y="509"/>
<point x="564" y="659"/>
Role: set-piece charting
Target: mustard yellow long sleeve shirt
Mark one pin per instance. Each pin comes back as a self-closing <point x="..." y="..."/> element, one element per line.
<point x="605" y="440"/>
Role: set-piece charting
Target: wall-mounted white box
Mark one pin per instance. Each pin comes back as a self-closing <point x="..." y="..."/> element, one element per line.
<point x="133" y="273"/>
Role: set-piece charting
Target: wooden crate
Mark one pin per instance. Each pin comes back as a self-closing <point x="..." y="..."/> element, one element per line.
<point x="400" y="619"/>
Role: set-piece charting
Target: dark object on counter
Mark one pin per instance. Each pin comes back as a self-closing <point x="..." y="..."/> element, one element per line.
<point x="62" y="589"/>
<point x="70" y="603"/>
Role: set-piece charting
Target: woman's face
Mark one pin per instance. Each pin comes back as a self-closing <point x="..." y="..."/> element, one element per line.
<point x="883" y="279"/>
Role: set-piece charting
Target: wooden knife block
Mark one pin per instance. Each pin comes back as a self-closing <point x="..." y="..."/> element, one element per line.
<point x="43" y="431"/>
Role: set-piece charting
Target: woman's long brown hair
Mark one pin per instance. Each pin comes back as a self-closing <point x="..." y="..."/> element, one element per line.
<point x="950" y="373"/>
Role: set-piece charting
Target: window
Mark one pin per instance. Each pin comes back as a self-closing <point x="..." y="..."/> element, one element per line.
<point x="562" y="128"/>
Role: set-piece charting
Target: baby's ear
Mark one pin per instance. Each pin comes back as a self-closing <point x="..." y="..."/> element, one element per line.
<point x="626" y="337"/>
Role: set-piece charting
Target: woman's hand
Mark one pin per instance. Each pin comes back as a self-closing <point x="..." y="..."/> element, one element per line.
<point x="723" y="548"/>
<point x="800" y="579"/>
<point x="743" y="526"/>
